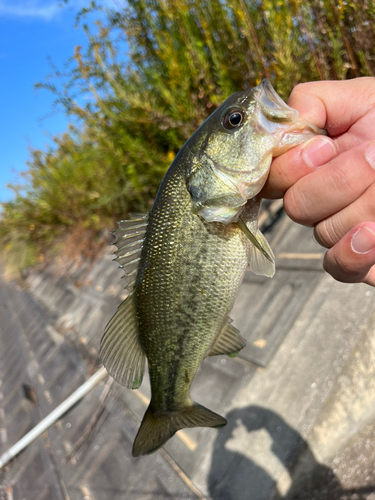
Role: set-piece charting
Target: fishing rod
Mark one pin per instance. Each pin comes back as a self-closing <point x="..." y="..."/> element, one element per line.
<point x="50" y="419"/>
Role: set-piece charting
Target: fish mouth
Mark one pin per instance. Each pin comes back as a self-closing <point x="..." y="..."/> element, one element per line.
<point x="281" y="121"/>
<point x="272" y="106"/>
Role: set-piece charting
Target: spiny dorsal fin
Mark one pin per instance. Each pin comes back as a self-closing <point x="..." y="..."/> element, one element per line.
<point x="120" y="350"/>
<point x="258" y="263"/>
<point x="228" y="342"/>
<point x="129" y="241"/>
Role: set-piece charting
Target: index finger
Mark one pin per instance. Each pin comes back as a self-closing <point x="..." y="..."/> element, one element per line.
<point x="291" y="166"/>
<point x="337" y="106"/>
<point x="334" y="105"/>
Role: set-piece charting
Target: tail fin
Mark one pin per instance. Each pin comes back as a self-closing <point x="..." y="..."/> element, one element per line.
<point x="156" y="430"/>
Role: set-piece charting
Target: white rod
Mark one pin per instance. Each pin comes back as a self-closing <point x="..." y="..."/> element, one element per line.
<point x="53" y="416"/>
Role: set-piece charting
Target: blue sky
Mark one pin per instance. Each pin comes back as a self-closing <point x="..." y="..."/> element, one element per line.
<point x="30" y="32"/>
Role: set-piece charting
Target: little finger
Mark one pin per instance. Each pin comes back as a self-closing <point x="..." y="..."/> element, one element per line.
<point x="352" y="259"/>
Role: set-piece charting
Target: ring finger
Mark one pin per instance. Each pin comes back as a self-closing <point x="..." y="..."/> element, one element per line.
<point x="330" y="230"/>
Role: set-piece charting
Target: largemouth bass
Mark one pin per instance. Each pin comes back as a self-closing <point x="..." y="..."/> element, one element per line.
<point x="186" y="259"/>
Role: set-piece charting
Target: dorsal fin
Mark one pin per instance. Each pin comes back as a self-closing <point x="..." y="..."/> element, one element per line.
<point x="120" y="350"/>
<point x="228" y="342"/>
<point x="129" y="241"/>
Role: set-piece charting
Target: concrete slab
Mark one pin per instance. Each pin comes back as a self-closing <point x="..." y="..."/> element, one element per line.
<point x="299" y="400"/>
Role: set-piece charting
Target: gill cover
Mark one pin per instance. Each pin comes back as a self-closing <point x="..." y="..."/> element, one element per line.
<point x="241" y="137"/>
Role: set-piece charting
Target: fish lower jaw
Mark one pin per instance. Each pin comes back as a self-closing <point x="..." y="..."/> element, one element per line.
<point x="300" y="132"/>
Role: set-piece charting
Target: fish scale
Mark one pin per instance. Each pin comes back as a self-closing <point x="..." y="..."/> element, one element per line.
<point x="194" y="247"/>
<point x="195" y="313"/>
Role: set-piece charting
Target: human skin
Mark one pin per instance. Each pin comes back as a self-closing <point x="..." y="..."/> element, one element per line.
<point x="328" y="183"/>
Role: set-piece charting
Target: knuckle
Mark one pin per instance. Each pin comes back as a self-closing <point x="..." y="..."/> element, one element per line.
<point x="302" y="88"/>
<point x="327" y="233"/>
<point x="339" y="177"/>
<point x="295" y="206"/>
<point x="367" y="205"/>
<point x="290" y="204"/>
<point x="341" y="270"/>
<point x="340" y="263"/>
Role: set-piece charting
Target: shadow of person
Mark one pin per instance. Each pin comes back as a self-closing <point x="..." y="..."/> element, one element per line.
<point x="258" y="456"/>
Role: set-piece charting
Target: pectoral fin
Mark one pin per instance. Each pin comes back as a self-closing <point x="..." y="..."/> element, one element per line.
<point x="228" y="342"/>
<point x="258" y="241"/>
<point x="120" y="350"/>
<point x="262" y="262"/>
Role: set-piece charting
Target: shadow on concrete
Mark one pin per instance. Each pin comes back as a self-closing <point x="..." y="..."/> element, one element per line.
<point x="248" y="470"/>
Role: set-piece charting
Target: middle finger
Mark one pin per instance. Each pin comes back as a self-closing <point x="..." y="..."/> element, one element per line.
<point x="332" y="187"/>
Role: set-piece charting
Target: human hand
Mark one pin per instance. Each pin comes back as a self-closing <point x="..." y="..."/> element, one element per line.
<point x="329" y="182"/>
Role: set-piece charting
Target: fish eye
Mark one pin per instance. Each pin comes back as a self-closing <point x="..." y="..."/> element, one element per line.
<point x="233" y="118"/>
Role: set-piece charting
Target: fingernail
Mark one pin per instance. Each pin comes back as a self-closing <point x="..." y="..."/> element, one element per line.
<point x="363" y="240"/>
<point x="370" y="154"/>
<point x="318" y="152"/>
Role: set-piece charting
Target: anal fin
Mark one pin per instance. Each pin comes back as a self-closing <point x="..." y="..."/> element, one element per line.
<point x="228" y="342"/>
<point x="120" y="350"/>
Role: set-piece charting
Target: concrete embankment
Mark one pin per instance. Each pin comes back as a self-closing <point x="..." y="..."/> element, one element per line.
<point x="299" y="400"/>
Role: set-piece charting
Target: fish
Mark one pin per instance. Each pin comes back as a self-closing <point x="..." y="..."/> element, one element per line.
<point x="184" y="261"/>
